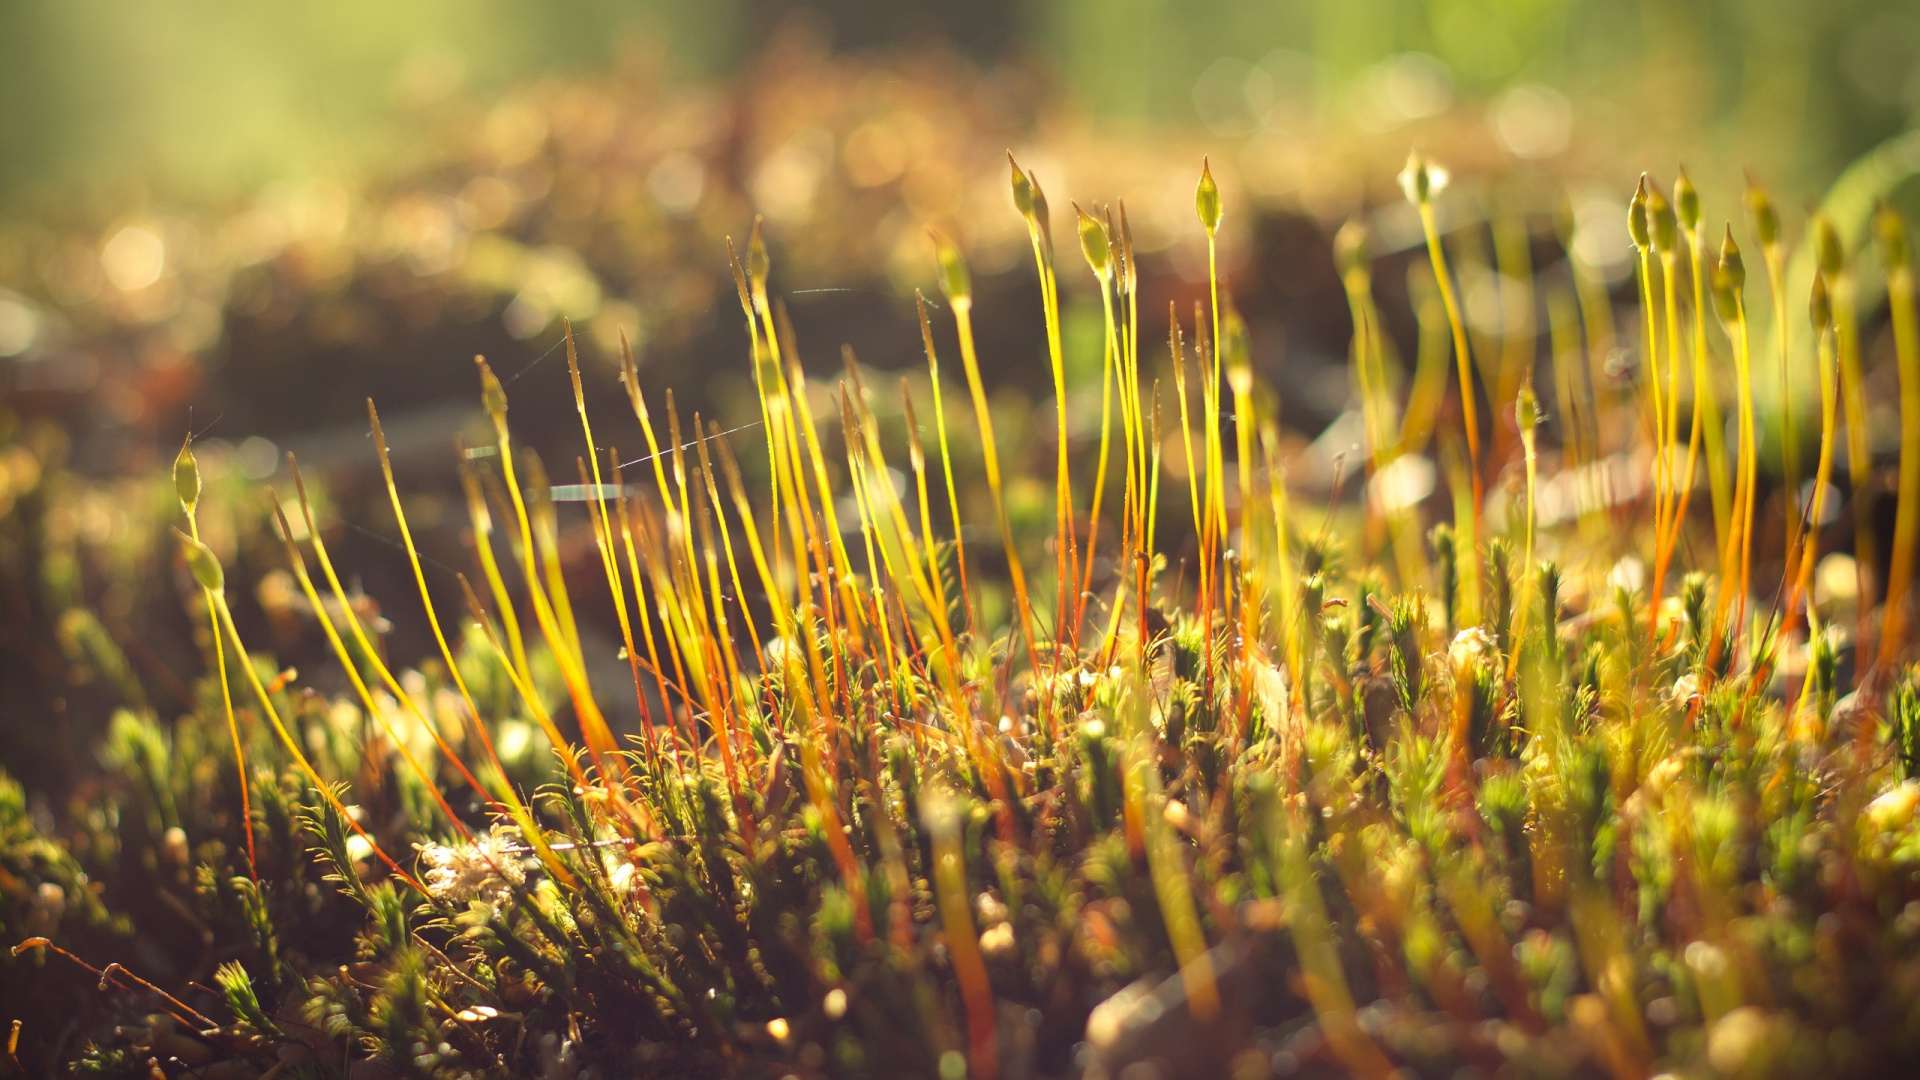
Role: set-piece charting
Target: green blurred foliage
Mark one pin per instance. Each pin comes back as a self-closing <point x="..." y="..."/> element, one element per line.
<point x="214" y="96"/>
<point x="1795" y="87"/>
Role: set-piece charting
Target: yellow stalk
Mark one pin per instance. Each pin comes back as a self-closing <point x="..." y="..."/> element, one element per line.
<point x="946" y="458"/>
<point x="372" y="707"/>
<point x="1430" y="366"/>
<point x="1829" y="394"/>
<point x="564" y="644"/>
<point x="186" y="484"/>
<point x="1455" y="466"/>
<point x="426" y="601"/>
<point x="1702" y="396"/>
<point x="782" y="614"/>
<point x="808" y="693"/>
<point x="482" y="521"/>
<point x="1240" y="381"/>
<point x="858" y="482"/>
<point x="1707" y="397"/>
<point x="836" y="545"/>
<point x="959" y="289"/>
<point x="1129" y="279"/>
<point x="1526" y="414"/>
<point x="696" y="624"/>
<point x="963" y="943"/>
<point x="522" y="689"/>
<point x="703" y="634"/>
<point x="1766" y="229"/>
<point x="1650" y="320"/>
<point x="1288" y="584"/>
<point x="663" y="565"/>
<point x="723" y="641"/>
<point x="1670" y="296"/>
<point x="762" y="391"/>
<point x="1102" y="255"/>
<point x="1421" y="181"/>
<point x="918" y="459"/>
<point x="1463" y="358"/>
<point x="726" y="542"/>
<point x="1679" y="488"/>
<point x="1571" y="395"/>
<point x="1596" y="320"/>
<point x="1153" y="489"/>
<point x="783" y="439"/>
<point x="870" y="467"/>
<point x="646" y="629"/>
<point x="1031" y="203"/>
<point x="836" y="577"/>
<point x="1853" y="404"/>
<point x="791" y="403"/>
<point x="925" y="583"/>
<point x="1514" y="262"/>
<point x="1356" y="278"/>
<point x="1750" y="457"/>
<point x="360" y="637"/>
<point x="198" y="553"/>
<point x="717" y="638"/>
<point x="1906" y="526"/>
<point x="554" y="609"/>
<point x="602" y="522"/>
<point x="666" y="600"/>
<point x="1094" y="244"/>
<point x="1729" y="279"/>
<point x="1208" y="206"/>
<point x="545" y="519"/>
<point x="616" y="584"/>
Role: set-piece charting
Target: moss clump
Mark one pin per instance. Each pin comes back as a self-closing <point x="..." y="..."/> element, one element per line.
<point x="1228" y="782"/>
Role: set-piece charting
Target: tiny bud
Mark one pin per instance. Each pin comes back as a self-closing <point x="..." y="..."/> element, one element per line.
<point x="1891" y="230"/>
<point x="1043" y="221"/>
<point x="1421" y="179"/>
<point x="202" y="562"/>
<point x="758" y="264"/>
<point x="1022" y="189"/>
<point x="1726" y="303"/>
<point x="1728" y="277"/>
<point x="954" y="279"/>
<point x="493" y="396"/>
<point x="186" y="477"/>
<point x="1731" y="264"/>
<point x="1350" y="247"/>
<point x="1637" y="216"/>
<point x="1820" y="305"/>
<point x="1686" y="201"/>
<point x="1832" y="257"/>
<point x="1129" y="266"/>
<point x="1094" y="242"/>
<point x="1206" y="199"/>
<point x="1766" y="220"/>
<point x="1660" y="216"/>
<point x="1526" y="410"/>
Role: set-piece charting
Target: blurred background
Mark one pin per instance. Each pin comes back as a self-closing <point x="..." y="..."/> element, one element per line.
<point x="238" y="221"/>
<point x="212" y="98"/>
<point x="200" y="174"/>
